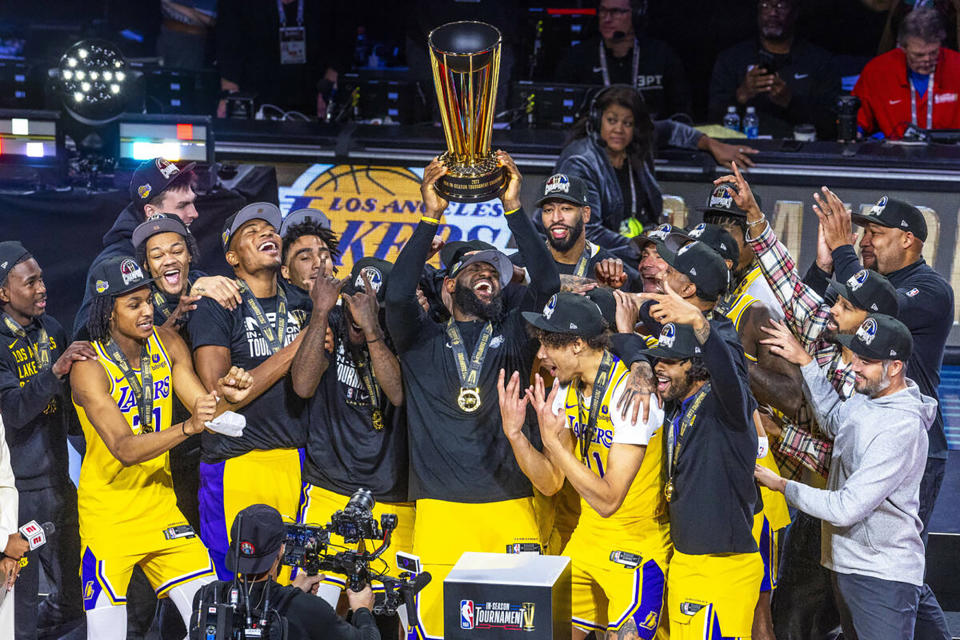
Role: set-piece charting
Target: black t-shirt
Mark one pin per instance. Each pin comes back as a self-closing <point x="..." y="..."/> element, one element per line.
<point x="344" y="451"/>
<point x="660" y="76"/>
<point x="275" y="420"/>
<point x="597" y="255"/>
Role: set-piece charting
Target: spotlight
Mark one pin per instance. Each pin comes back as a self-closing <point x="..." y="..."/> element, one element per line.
<point x="92" y="73"/>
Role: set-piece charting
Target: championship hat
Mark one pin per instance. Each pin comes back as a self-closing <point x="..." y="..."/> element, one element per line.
<point x="561" y="186"/>
<point x="702" y="265"/>
<point x="254" y="211"/>
<point x="712" y="235"/>
<point x="896" y="214"/>
<point x="880" y="337"/>
<point x="570" y="313"/>
<point x="870" y="291"/>
<point x="255" y="538"/>
<point x="675" y="342"/>
<point x="720" y="202"/>
<point x="301" y="215"/>
<point x="661" y="233"/>
<point x="493" y="257"/>
<point x="377" y="272"/>
<point x="158" y="223"/>
<point x="451" y="252"/>
<point x="152" y="177"/>
<point x="117" y="275"/>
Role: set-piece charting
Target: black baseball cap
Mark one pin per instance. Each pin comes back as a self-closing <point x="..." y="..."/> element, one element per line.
<point x="117" y="275"/>
<point x="712" y="235"/>
<point x="570" y="313"/>
<point x="870" y="291"/>
<point x="11" y="253"/>
<point x="720" y="202"/>
<point x="254" y="211"/>
<point x="661" y="233"/>
<point x="152" y="177"/>
<point x="255" y="538"/>
<point x="880" y="337"/>
<point x="561" y="186"/>
<point x="896" y="214"/>
<point x="451" y="252"/>
<point x="676" y="342"/>
<point x="158" y="223"/>
<point x="301" y="215"/>
<point x="493" y="257"/>
<point x="702" y="265"/>
<point x="604" y="298"/>
<point x="377" y="272"/>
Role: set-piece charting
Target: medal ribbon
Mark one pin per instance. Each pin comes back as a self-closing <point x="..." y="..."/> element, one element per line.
<point x="41" y="350"/>
<point x="275" y="340"/>
<point x="675" y="436"/>
<point x="469" y="371"/>
<point x="365" y="372"/>
<point x="581" y="269"/>
<point x="142" y="393"/>
<point x="588" y="423"/>
<point x="163" y="305"/>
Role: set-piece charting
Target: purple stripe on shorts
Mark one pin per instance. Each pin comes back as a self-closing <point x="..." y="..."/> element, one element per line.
<point x="213" y="525"/>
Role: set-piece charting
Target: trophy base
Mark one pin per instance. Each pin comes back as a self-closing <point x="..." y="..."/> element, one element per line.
<point x="470" y="183"/>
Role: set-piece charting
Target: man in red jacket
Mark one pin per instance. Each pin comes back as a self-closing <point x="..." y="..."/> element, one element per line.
<point x="918" y="82"/>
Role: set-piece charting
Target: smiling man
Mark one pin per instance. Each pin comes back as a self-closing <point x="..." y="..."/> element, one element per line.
<point x="34" y="400"/>
<point x="261" y="335"/>
<point x="310" y="247"/>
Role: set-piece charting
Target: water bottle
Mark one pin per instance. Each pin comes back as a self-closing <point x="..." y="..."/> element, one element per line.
<point x="751" y="123"/>
<point x="732" y="120"/>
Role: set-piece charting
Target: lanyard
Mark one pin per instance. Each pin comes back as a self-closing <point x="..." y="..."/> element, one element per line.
<point x="913" y="100"/>
<point x="633" y="189"/>
<point x="283" y="14"/>
<point x="469" y="371"/>
<point x="164" y="306"/>
<point x="142" y="393"/>
<point x="365" y="372"/>
<point x="606" y="71"/>
<point x="274" y="340"/>
<point x="41" y="350"/>
<point x="588" y="423"/>
<point x="683" y="421"/>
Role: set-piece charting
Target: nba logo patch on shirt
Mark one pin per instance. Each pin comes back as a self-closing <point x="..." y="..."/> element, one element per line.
<point x="913" y="292"/>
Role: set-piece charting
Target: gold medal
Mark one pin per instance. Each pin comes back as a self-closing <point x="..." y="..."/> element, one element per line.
<point x="468" y="400"/>
<point x="668" y="491"/>
<point x="377" y="420"/>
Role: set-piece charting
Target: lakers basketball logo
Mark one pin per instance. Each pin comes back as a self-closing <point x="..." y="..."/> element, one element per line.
<point x="668" y="335"/>
<point x="88" y="590"/>
<point x="856" y="280"/>
<point x="373" y="275"/>
<point x="867" y="331"/>
<point x="550" y="307"/>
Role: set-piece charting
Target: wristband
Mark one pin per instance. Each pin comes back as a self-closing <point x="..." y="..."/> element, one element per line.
<point x="430" y="220"/>
<point x="763" y="446"/>
<point x="512" y="211"/>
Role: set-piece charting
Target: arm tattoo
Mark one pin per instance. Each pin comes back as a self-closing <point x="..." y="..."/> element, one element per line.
<point x="702" y="333"/>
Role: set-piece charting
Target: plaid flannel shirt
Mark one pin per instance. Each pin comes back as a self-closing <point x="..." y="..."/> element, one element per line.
<point x="806" y="314"/>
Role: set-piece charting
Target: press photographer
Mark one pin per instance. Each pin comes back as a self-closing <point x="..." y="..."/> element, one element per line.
<point x="254" y="601"/>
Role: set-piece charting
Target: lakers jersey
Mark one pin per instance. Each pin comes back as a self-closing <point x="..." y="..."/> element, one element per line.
<point x="642" y="514"/>
<point x="128" y="503"/>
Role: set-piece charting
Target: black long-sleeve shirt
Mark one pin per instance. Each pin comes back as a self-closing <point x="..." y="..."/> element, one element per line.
<point x="457" y="456"/>
<point x="926" y="308"/>
<point x="35" y="407"/>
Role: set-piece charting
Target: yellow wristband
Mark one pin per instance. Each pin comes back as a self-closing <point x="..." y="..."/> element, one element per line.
<point x="430" y="220"/>
<point x="506" y="213"/>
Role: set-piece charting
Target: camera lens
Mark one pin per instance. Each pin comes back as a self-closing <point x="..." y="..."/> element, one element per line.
<point x="361" y="500"/>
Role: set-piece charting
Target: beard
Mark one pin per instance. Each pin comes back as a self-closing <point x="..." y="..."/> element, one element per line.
<point x="468" y="302"/>
<point x="573" y="234"/>
<point x="873" y="388"/>
<point x="678" y="389"/>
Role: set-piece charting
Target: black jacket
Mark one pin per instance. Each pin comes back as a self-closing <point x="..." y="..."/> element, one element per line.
<point x="587" y="160"/>
<point x="118" y="241"/>
<point x="36" y="408"/>
<point x="808" y="72"/>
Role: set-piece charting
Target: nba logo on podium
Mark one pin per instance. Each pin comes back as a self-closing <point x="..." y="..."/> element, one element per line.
<point x="466" y="614"/>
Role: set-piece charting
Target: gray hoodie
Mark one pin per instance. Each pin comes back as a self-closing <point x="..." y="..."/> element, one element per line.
<point x="869" y="508"/>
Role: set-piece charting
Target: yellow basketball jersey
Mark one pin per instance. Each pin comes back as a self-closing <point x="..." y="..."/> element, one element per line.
<point x="642" y="514"/>
<point x="738" y="306"/>
<point x="128" y="503"/>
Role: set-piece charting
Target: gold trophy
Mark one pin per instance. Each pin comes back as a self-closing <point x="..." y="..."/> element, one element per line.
<point x="465" y="57"/>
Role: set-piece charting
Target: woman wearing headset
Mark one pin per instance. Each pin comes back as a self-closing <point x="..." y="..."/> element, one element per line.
<point x="612" y="149"/>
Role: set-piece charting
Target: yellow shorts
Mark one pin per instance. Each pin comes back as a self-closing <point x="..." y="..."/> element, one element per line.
<point x="227" y="487"/>
<point x="767" y="525"/>
<point x="319" y="504"/>
<point x="105" y="569"/>
<point x="609" y="596"/>
<point x="713" y="596"/>
<point x="444" y="530"/>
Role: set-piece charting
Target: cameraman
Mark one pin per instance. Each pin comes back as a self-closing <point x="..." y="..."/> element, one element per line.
<point x="256" y="566"/>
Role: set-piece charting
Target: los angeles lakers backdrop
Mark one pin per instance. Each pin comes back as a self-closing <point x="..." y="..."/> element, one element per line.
<point x="374" y="210"/>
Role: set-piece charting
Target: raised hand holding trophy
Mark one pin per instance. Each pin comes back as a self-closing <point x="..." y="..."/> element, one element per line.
<point x="465" y="57"/>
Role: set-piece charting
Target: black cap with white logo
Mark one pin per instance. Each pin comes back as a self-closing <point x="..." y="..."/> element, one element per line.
<point x="721" y="202"/>
<point x="870" y="291"/>
<point x="675" y="342"/>
<point x="560" y="186"/>
<point x="377" y="272"/>
<point x="567" y="312"/>
<point x="662" y="233"/>
<point x="880" y="337"/>
<point x="702" y="265"/>
<point x="117" y="275"/>
<point x="11" y="253"/>
<point x="896" y="214"/>
<point x="255" y="539"/>
<point x="712" y="235"/>
<point x="151" y="178"/>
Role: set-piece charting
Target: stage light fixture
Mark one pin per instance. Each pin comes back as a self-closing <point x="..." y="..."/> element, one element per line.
<point x="92" y="74"/>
